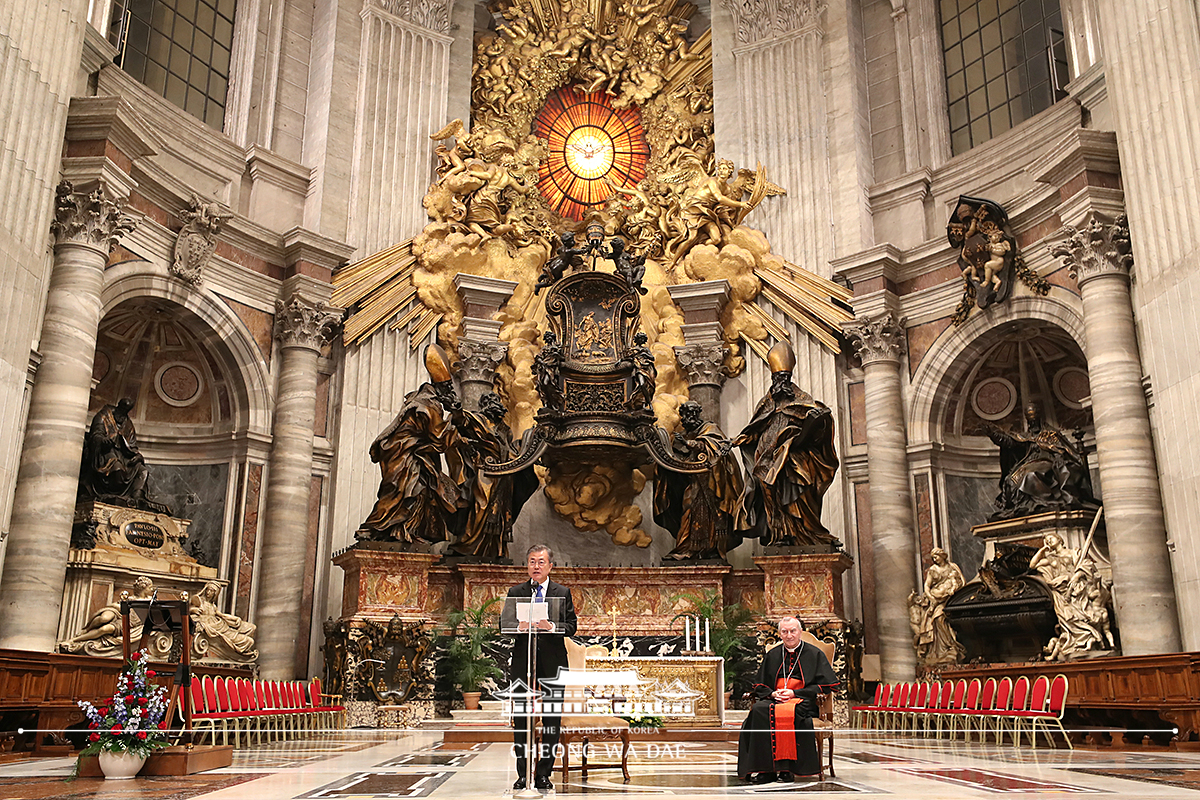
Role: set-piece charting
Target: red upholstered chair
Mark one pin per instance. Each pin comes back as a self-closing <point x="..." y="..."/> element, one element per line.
<point x="961" y="719"/>
<point x="1039" y="697"/>
<point x="875" y="714"/>
<point x="236" y="718"/>
<point x="952" y="700"/>
<point x="1020" y="704"/>
<point x="987" y="699"/>
<point x="924" y="717"/>
<point x="898" y="699"/>
<point x="859" y="714"/>
<point x="1053" y="714"/>
<point x="916" y="705"/>
<point x="334" y="713"/>
<point x="1000" y="707"/>
<point x="201" y="720"/>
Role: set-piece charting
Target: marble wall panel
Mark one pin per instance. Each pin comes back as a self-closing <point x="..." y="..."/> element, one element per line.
<point x="196" y="492"/>
<point x="310" y="572"/>
<point x="968" y="502"/>
<point x="245" y="563"/>
<point x="866" y="566"/>
<point x="858" y="413"/>
<point x="920" y="339"/>
<point x="924" y="498"/>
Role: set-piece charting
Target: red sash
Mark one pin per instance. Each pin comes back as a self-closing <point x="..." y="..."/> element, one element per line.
<point x="783" y="735"/>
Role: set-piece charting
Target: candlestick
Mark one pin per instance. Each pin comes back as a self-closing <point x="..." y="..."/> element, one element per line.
<point x="697" y="630"/>
<point x="707" y="641"/>
<point x="614" y="652"/>
<point x="687" y="632"/>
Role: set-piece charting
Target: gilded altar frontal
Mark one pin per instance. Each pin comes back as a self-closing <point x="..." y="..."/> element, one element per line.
<point x="590" y="360"/>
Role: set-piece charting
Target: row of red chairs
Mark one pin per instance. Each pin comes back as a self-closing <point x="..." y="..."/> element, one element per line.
<point x="275" y="709"/>
<point x="1001" y="708"/>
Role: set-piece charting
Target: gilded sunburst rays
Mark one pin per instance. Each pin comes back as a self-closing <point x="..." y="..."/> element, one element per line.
<point x="589" y="142"/>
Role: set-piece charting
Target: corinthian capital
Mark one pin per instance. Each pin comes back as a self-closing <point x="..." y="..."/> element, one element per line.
<point x="93" y="218"/>
<point x="758" y="20"/>
<point x="703" y="364"/>
<point x="878" y="339"/>
<point x="300" y="322"/>
<point x="433" y="15"/>
<point x="1098" y="249"/>
<point x="478" y="360"/>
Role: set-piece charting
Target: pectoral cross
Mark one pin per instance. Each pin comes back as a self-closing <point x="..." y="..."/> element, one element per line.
<point x="612" y="612"/>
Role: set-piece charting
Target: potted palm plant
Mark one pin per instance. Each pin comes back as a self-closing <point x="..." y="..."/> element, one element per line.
<point x="468" y="664"/>
<point x="730" y="635"/>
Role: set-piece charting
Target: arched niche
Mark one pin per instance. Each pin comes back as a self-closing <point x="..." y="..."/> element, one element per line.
<point x="987" y="371"/>
<point x="201" y="397"/>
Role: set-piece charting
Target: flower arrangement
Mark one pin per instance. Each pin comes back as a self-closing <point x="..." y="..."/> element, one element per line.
<point x="644" y="720"/>
<point x="134" y="721"/>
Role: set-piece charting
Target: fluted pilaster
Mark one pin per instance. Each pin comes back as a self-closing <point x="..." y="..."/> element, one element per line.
<point x="403" y="84"/>
<point x="86" y="227"/>
<point x="302" y="327"/>
<point x="879" y="342"/>
<point x="1100" y="258"/>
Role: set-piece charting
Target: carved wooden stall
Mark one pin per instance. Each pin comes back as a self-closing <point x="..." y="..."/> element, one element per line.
<point x="38" y="691"/>
<point x="1150" y="696"/>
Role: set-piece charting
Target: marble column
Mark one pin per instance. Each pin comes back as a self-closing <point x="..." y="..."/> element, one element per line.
<point x="702" y="356"/>
<point x="480" y="350"/>
<point x="302" y="327"/>
<point x="704" y="366"/>
<point x="86" y="227"/>
<point x="879" y="341"/>
<point x="478" y="361"/>
<point x="1100" y="258"/>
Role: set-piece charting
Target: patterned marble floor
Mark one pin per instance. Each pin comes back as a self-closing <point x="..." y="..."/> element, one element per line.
<point x="377" y="764"/>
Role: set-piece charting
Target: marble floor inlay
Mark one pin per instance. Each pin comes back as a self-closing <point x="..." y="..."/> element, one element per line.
<point x="370" y="764"/>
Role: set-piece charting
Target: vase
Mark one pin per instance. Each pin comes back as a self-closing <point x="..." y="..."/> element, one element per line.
<point x="471" y="700"/>
<point x="120" y="766"/>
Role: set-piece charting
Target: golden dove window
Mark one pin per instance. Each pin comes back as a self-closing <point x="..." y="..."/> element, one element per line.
<point x="591" y="144"/>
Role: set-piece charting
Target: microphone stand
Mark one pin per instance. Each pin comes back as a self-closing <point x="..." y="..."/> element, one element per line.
<point x="530" y="659"/>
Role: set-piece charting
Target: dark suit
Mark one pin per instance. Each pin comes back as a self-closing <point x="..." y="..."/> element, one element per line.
<point x="551" y="656"/>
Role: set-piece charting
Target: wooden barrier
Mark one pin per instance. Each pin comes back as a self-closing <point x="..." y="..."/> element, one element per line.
<point x="47" y="685"/>
<point x="1144" y="695"/>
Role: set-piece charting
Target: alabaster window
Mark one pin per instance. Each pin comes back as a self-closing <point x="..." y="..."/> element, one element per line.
<point x="178" y="48"/>
<point x="1005" y="61"/>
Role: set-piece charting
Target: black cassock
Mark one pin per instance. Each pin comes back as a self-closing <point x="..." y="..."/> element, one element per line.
<point x="762" y="745"/>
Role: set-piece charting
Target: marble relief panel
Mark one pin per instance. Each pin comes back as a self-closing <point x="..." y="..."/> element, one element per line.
<point x="968" y="502"/>
<point x="196" y="492"/>
<point x="245" y="565"/>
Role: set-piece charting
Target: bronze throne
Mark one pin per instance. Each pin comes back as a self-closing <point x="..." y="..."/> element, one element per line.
<point x="592" y="387"/>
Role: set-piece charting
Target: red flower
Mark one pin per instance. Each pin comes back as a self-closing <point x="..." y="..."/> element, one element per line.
<point x="116" y="729"/>
<point x="141" y="734"/>
<point x="95" y="737"/>
<point x="150" y="673"/>
<point x="143" y="700"/>
<point x="129" y="698"/>
<point x="135" y="656"/>
<point x="93" y="725"/>
<point x="102" y="711"/>
<point x="162" y="726"/>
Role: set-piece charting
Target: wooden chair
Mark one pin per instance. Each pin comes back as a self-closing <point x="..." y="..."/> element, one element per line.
<point x="823" y="722"/>
<point x="587" y="728"/>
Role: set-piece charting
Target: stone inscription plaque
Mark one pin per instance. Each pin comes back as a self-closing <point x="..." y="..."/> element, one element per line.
<point x="144" y="534"/>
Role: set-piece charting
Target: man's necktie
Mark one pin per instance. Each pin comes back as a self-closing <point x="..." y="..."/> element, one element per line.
<point x="537" y="597"/>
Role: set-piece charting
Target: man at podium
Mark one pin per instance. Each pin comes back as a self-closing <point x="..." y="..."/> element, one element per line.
<point x="553" y="627"/>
